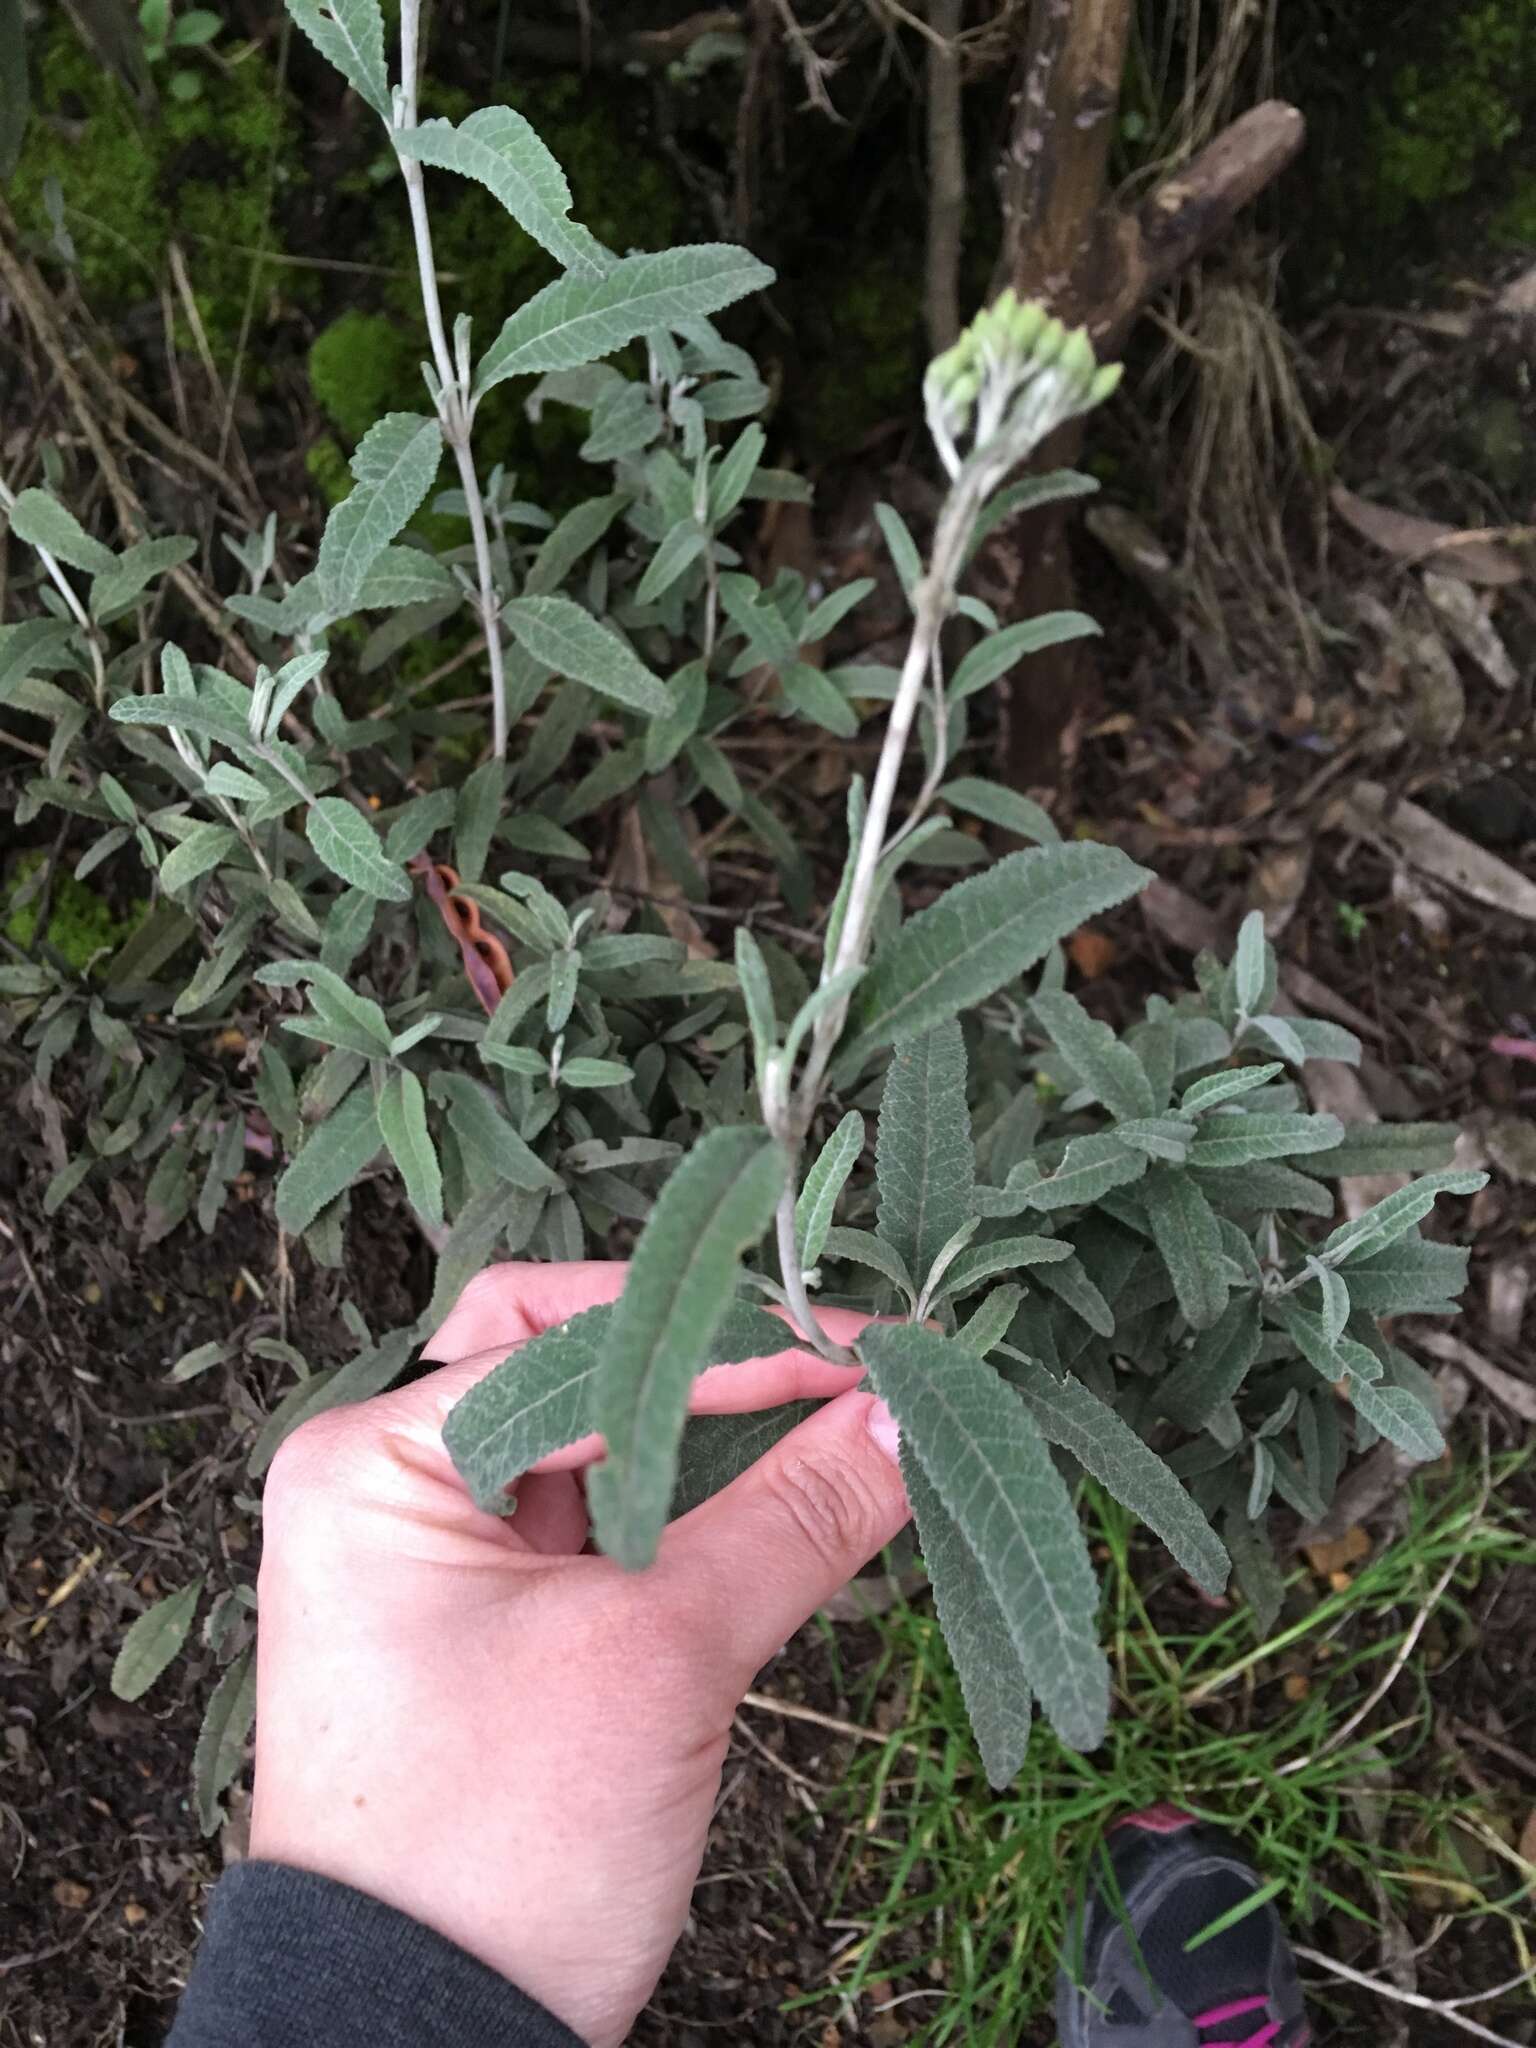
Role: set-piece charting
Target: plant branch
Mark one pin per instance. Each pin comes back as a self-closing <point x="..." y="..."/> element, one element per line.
<point x="454" y="405"/>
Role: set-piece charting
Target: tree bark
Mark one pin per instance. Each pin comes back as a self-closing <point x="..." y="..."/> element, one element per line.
<point x="1094" y="264"/>
<point x="946" y="176"/>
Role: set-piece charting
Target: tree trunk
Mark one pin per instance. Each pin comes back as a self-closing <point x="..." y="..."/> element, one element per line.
<point x="1066" y="244"/>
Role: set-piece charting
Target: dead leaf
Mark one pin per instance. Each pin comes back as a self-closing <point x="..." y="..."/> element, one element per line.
<point x="1476" y="555"/>
<point x="1519" y="295"/>
<point x="1509" y="1143"/>
<point x="69" y="1893"/>
<point x="1180" y="919"/>
<point x="1509" y="1288"/>
<point x="1093" y="953"/>
<point x="134" y="1915"/>
<point x="1335" y="1554"/>
<point x="1277" y="886"/>
<point x="1411" y="831"/>
<point x="1467" y="617"/>
<point x="630" y="869"/>
<point x="1518" y="1395"/>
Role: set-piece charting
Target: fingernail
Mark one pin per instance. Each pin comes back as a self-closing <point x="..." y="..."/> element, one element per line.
<point x="884" y="1429"/>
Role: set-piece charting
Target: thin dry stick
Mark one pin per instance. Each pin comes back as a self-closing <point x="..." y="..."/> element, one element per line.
<point x="1442" y="2009"/>
<point x="946" y="176"/>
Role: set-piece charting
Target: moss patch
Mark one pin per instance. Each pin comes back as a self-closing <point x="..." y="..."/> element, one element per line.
<point x="195" y="169"/>
<point x="80" y="923"/>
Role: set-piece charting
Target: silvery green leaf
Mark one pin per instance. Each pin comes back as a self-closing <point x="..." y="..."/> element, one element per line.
<point x="570" y="642"/>
<point x="1160" y="1137"/>
<point x="1239" y="1138"/>
<point x="824" y="1183"/>
<point x="1212" y="1371"/>
<point x="347" y="843"/>
<point x="564" y="976"/>
<point x="728" y="485"/>
<point x="865" y="1249"/>
<point x="350" y="35"/>
<point x="399" y="576"/>
<point x="817" y="699"/>
<point x="681" y="546"/>
<point x="1089" y="1168"/>
<point x="331" y="1159"/>
<point x="833" y="609"/>
<point x="1400" y="1417"/>
<point x="1215" y="1088"/>
<point x="1000" y="806"/>
<point x="484" y="1133"/>
<point x="593" y="1073"/>
<point x="682" y="1277"/>
<point x="402" y="1112"/>
<point x="986" y="1461"/>
<point x="475" y="817"/>
<point x="1411" y="1277"/>
<point x="905" y="555"/>
<point x="580" y="530"/>
<point x="1109" y="1070"/>
<point x="1282" y="1039"/>
<point x="224" y="1162"/>
<point x="757" y="993"/>
<point x="1321" y="1040"/>
<point x="625" y="419"/>
<point x="984" y="1262"/>
<point x="925" y="1167"/>
<point x="1335" y="1293"/>
<point x="200" y="1359"/>
<point x="1187" y="1234"/>
<point x="981" y="934"/>
<point x="33" y="644"/>
<point x="1262" y="1482"/>
<point x="1024" y="496"/>
<point x="395" y="464"/>
<point x="154" y="1640"/>
<point x="115" y="589"/>
<point x="995" y="656"/>
<point x="182" y="714"/>
<point x="293" y="677"/>
<point x="1255" y="1568"/>
<point x="990" y="1323"/>
<point x="1390" y="1148"/>
<point x="753" y="610"/>
<point x="1250" y="969"/>
<point x="413" y="1034"/>
<point x="224" y="779"/>
<point x="38" y="518"/>
<point x="515" y="1059"/>
<point x="1069" y="1282"/>
<point x="993" y="1680"/>
<point x="717" y="1449"/>
<point x="221" y="1740"/>
<point x="1090" y="1430"/>
<point x="579" y="320"/>
<point x="666" y="735"/>
<point x="1396" y="1215"/>
<point x="204" y="847"/>
<point x="1333" y="1357"/>
<point x="1264" y="1186"/>
<point x="501" y="151"/>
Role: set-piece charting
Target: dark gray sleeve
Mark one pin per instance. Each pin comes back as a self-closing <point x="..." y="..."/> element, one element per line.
<point x="289" y="1960"/>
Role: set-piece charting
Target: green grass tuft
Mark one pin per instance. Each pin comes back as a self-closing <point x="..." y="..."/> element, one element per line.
<point x="972" y="1887"/>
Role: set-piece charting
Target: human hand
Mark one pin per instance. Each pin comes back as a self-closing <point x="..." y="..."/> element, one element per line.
<point x="503" y="1736"/>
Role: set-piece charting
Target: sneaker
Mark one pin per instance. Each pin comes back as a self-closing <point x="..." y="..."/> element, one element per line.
<point x="1130" y="1978"/>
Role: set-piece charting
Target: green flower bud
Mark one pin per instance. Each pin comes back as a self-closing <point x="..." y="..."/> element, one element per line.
<point x="962" y="395"/>
<point x="1026" y="325"/>
<point x="1105" y="382"/>
<point x="1077" y="359"/>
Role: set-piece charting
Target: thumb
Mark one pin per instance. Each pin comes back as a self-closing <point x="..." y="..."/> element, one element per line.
<point x="756" y="1561"/>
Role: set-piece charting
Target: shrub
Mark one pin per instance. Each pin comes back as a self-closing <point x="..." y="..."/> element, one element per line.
<point x="1123" y="1271"/>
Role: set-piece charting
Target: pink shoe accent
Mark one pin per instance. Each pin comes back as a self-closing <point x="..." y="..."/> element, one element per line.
<point x="1220" y="2014"/>
<point x="1162" y="1819"/>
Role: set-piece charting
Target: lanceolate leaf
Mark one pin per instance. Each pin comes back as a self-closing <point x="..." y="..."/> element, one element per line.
<point x="984" y="1262"/>
<point x="1109" y="1070"/>
<point x="1089" y="1168"/>
<point x="1411" y="1277"/>
<point x="485" y="1134"/>
<point x="153" y="1641"/>
<point x="1186" y="1232"/>
<point x="681" y="1280"/>
<point x="403" y="1121"/>
<point x="1238" y="1139"/>
<point x="1215" y="1366"/>
<point x="350" y="34"/>
<point x="1390" y="1148"/>
<point x="343" y="838"/>
<point x="925" y="1166"/>
<point x="394" y="465"/>
<point x="824" y="1183"/>
<point x="579" y="320"/>
<point x="1216" y="1088"/>
<point x="38" y="517"/>
<point x="865" y="1249"/>
<point x="221" y="1739"/>
<point x="333" y="1156"/>
<point x="1068" y="1281"/>
<point x="502" y="151"/>
<point x="1112" y="1452"/>
<point x="1000" y="806"/>
<point x="981" y="934"/>
<point x="718" y="1448"/>
<point x="1394" y="1217"/>
<point x="1401" y="1418"/>
<point x="993" y="1678"/>
<point x="985" y="1459"/>
<point x="570" y="642"/>
<point x="994" y="657"/>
